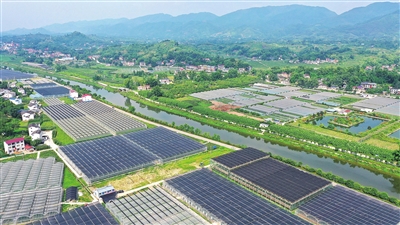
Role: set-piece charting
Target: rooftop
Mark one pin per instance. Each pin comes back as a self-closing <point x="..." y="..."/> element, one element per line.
<point x="14" y="140"/>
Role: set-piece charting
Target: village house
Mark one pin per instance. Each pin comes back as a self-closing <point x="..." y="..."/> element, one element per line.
<point x="33" y="106"/>
<point x="368" y="85"/>
<point x="9" y="94"/>
<point x="21" y="90"/>
<point x="12" y="85"/>
<point x="73" y="94"/>
<point x="87" y="98"/>
<point x="142" y="64"/>
<point x="306" y="76"/>
<point x="16" y="101"/>
<point x="165" y="81"/>
<point x="359" y="89"/>
<point x="14" y="145"/>
<point x="27" y="115"/>
<point x="144" y="87"/>
<point x="394" y="91"/>
<point x="35" y="131"/>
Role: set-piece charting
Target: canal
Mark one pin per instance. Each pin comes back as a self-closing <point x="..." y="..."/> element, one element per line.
<point x="365" y="177"/>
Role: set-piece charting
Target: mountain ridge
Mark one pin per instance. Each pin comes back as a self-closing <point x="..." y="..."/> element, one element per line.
<point x="261" y="23"/>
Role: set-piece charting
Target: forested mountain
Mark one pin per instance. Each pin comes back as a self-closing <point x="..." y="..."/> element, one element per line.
<point x="292" y="22"/>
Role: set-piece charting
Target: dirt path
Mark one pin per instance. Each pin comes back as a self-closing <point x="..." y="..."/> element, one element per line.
<point x="244" y="115"/>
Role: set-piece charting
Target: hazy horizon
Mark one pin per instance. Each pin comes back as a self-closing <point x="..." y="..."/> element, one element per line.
<point x="30" y="14"/>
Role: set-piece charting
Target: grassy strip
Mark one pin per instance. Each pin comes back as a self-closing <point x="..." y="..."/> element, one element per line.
<point x="19" y="157"/>
<point x="383" y="144"/>
<point x="67" y="100"/>
<point x="324" y="131"/>
<point x="161" y="172"/>
<point x="62" y="138"/>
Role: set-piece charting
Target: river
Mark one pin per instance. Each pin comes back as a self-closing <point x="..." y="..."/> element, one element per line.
<point x="363" y="176"/>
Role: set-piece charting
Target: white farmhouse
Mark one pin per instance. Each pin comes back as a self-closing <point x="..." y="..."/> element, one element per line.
<point x="73" y="94"/>
<point x="35" y="131"/>
<point x="86" y="98"/>
<point x="16" y="101"/>
<point x="14" y="145"/>
<point x="27" y="115"/>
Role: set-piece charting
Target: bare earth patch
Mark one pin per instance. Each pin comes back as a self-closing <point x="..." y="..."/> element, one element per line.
<point x="222" y="106"/>
<point x="241" y="114"/>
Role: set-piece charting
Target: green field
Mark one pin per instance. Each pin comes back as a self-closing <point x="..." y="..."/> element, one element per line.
<point x="344" y="100"/>
<point x="68" y="100"/>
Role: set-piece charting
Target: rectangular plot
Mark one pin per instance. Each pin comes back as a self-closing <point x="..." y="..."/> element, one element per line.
<point x="281" y="180"/>
<point x="241" y="157"/>
<point x="263" y="109"/>
<point x="62" y="111"/>
<point x="30" y="174"/>
<point x="82" y="128"/>
<point x="164" y="143"/>
<point x="284" y="103"/>
<point x="14" y="75"/>
<point x="280" y="90"/>
<point x="215" y="94"/>
<point x="224" y="202"/>
<point x="53" y="101"/>
<point x="153" y="206"/>
<point x="53" y="91"/>
<point x="94" y="214"/>
<point x="23" y="206"/>
<point x="107" y="157"/>
<point x="115" y="121"/>
<point x="320" y="96"/>
<point x="393" y="109"/>
<point x="376" y="103"/>
<point x="304" y="111"/>
<point x="294" y="94"/>
<point x="340" y="205"/>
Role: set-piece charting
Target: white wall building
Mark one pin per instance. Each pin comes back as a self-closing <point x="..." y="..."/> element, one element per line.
<point x="35" y="131"/>
<point x="86" y="98"/>
<point x="27" y="115"/>
<point x="73" y="94"/>
<point x="104" y="191"/>
<point x="14" y="145"/>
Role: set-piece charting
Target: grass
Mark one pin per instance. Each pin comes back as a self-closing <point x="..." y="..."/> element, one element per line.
<point x="382" y="144"/>
<point x="62" y="137"/>
<point x="161" y="172"/>
<point x="225" y="100"/>
<point x="67" y="100"/>
<point x="344" y="100"/>
<point x="19" y="157"/>
<point x="324" y="131"/>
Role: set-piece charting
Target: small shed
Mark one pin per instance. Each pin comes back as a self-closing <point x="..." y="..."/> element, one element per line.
<point x="71" y="194"/>
<point x="104" y="191"/>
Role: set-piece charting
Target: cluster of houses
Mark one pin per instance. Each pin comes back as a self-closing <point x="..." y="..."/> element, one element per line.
<point x="75" y="96"/>
<point x="10" y="47"/>
<point x="320" y="61"/>
<point x="316" y="61"/>
<point x="18" y="144"/>
<point x="12" y="95"/>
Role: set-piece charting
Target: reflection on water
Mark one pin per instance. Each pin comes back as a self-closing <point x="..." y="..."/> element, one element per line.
<point x="368" y="122"/>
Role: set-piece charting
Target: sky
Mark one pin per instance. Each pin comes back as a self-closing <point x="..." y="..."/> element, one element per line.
<point x="38" y="13"/>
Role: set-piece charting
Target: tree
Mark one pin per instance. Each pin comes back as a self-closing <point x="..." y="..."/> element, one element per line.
<point x="131" y="109"/>
<point x="396" y="157"/>
<point x="156" y="91"/>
